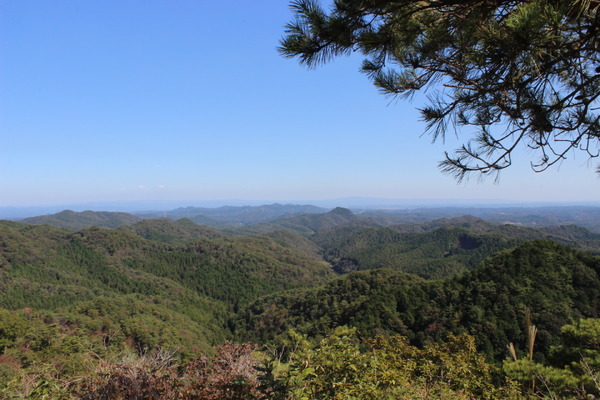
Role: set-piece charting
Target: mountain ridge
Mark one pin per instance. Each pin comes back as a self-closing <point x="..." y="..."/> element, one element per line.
<point x="73" y="220"/>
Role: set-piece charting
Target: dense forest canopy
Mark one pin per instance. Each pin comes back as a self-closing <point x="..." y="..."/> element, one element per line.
<point x="153" y="309"/>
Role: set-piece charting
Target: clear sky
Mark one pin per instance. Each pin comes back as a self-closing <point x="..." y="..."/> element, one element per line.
<point x="115" y="100"/>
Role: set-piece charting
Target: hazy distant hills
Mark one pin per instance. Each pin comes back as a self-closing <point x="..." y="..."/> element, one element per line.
<point x="80" y="220"/>
<point x="228" y="217"/>
<point x="570" y="235"/>
<point x="308" y="219"/>
<point x="585" y="216"/>
<point x="308" y="224"/>
<point x="237" y="215"/>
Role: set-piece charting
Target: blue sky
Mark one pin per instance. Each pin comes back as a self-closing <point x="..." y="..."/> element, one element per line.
<point x="189" y="100"/>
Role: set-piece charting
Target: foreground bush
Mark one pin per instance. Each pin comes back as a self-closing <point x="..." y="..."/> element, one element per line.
<point x="343" y="366"/>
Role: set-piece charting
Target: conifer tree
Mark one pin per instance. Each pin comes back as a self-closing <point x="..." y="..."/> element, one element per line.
<point x="510" y="74"/>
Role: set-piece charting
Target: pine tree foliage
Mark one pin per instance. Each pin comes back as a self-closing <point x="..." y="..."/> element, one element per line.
<point x="513" y="74"/>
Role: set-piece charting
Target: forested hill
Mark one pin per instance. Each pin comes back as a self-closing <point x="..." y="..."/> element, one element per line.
<point x="558" y="284"/>
<point x="74" y="299"/>
<point x="80" y="220"/>
<point x="237" y="215"/>
<point x="351" y="242"/>
<point x="533" y="217"/>
<point x="167" y="231"/>
<point x="439" y="249"/>
<point x="194" y="286"/>
<point x="308" y="224"/>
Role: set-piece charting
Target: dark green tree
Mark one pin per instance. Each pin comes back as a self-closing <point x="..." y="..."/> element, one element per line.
<point x="510" y="73"/>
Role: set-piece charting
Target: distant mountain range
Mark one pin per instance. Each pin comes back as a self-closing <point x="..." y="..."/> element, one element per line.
<point x="585" y="216"/>
<point x="410" y="242"/>
<point x="307" y="224"/>
<point x="232" y="216"/>
<point x="308" y="219"/>
<point x="357" y="204"/>
<point x="228" y="217"/>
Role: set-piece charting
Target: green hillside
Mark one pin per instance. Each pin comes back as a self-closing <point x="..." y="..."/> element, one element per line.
<point x="174" y="232"/>
<point x="296" y="241"/>
<point x="307" y="224"/>
<point x="558" y="284"/>
<point x="83" y="311"/>
<point x="438" y="249"/>
<point x="80" y="220"/>
<point x="50" y="269"/>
